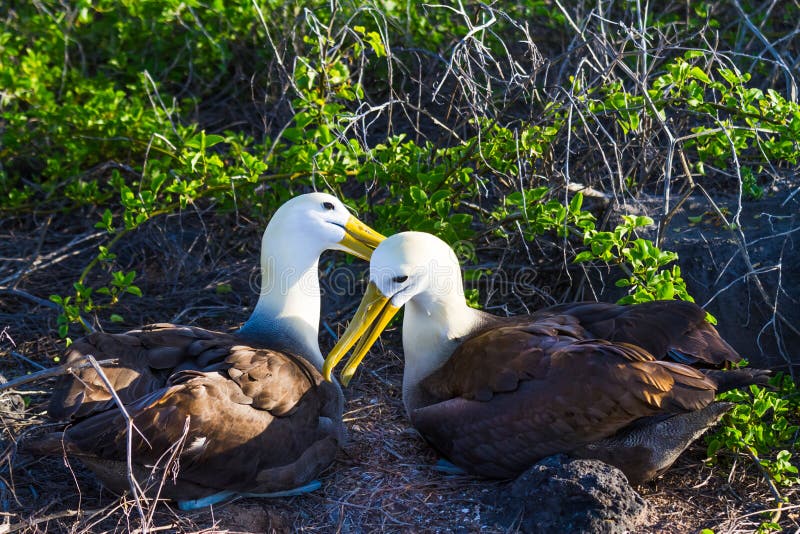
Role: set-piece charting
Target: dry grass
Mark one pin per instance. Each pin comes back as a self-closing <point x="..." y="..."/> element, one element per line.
<point x="382" y="481"/>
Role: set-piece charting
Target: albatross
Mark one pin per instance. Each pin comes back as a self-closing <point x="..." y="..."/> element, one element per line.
<point x="244" y="413"/>
<point x="495" y="395"/>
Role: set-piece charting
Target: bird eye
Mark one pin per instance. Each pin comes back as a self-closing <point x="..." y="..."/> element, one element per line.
<point x="399" y="279"/>
<point x="328" y="206"/>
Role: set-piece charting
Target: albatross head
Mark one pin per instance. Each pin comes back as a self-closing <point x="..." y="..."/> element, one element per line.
<point x="286" y="315"/>
<point x="318" y="222"/>
<point x="416" y="265"/>
<point x="419" y="270"/>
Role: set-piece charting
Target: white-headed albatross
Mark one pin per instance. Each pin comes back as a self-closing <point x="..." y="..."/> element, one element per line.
<point x="243" y="413"/>
<point x="495" y="395"/>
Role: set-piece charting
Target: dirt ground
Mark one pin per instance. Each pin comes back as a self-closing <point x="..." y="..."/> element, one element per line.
<point x="199" y="268"/>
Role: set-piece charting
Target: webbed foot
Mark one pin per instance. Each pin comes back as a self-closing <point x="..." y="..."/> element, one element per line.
<point x="445" y="466"/>
<point x="196" y="504"/>
<point x="311" y="486"/>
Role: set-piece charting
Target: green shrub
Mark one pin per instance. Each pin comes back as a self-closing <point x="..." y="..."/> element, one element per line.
<point x="762" y="424"/>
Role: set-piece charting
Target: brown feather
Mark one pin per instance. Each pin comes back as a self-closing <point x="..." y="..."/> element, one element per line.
<point x="145" y="359"/>
<point x="568" y="380"/>
<point x="256" y="420"/>
<point x="658" y="327"/>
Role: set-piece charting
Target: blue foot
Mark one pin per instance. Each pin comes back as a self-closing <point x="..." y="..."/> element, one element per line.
<point x="311" y="486"/>
<point x="447" y="467"/>
<point x="196" y="504"/>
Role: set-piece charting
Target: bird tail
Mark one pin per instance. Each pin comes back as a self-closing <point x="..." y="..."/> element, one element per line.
<point x="737" y="378"/>
<point x="649" y="446"/>
<point x="51" y="444"/>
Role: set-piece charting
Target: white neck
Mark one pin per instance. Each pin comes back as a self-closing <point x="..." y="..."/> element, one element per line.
<point x="286" y="315"/>
<point x="433" y="326"/>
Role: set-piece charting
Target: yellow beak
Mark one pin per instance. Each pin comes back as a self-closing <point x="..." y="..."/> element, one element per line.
<point x="372" y="316"/>
<point x="359" y="239"/>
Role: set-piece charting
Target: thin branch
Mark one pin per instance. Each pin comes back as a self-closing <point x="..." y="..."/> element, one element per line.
<point x="770" y="483"/>
<point x="25" y="295"/>
<point x="136" y="490"/>
<point x="44" y="374"/>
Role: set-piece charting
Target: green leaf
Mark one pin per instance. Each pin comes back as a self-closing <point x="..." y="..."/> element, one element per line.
<point x="375" y="42"/>
<point x="666" y="291"/>
<point x="134" y="290"/>
<point x="417" y="194"/>
<point x="576" y="203"/>
<point x="730" y="76"/>
<point x="461" y="218"/>
<point x="441" y="195"/>
<point x="698" y="73"/>
<point x="214" y="139"/>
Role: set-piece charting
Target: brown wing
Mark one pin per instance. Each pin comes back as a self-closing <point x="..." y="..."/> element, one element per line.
<point x="261" y="426"/>
<point x="498" y="358"/>
<point x="665" y="328"/>
<point x="513" y="395"/>
<point x="145" y="359"/>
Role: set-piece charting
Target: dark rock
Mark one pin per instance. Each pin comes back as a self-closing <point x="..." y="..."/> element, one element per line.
<point x="560" y="494"/>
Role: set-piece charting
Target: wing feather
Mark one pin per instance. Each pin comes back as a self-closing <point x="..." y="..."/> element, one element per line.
<point x="662" y="328"/>
<point x="145" y="359"/>
<point x="263" y="431"/>
<point x="512" y="395"/>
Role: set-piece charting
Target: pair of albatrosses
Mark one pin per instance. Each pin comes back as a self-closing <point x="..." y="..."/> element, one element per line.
<point x="250" y="414"/>
<point x="216" y="415"/>
<point x="495" y="395"/>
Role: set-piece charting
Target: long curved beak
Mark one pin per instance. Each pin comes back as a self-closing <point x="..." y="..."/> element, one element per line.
<point x="372" y="316"/>
<point x="359" y="239"/>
